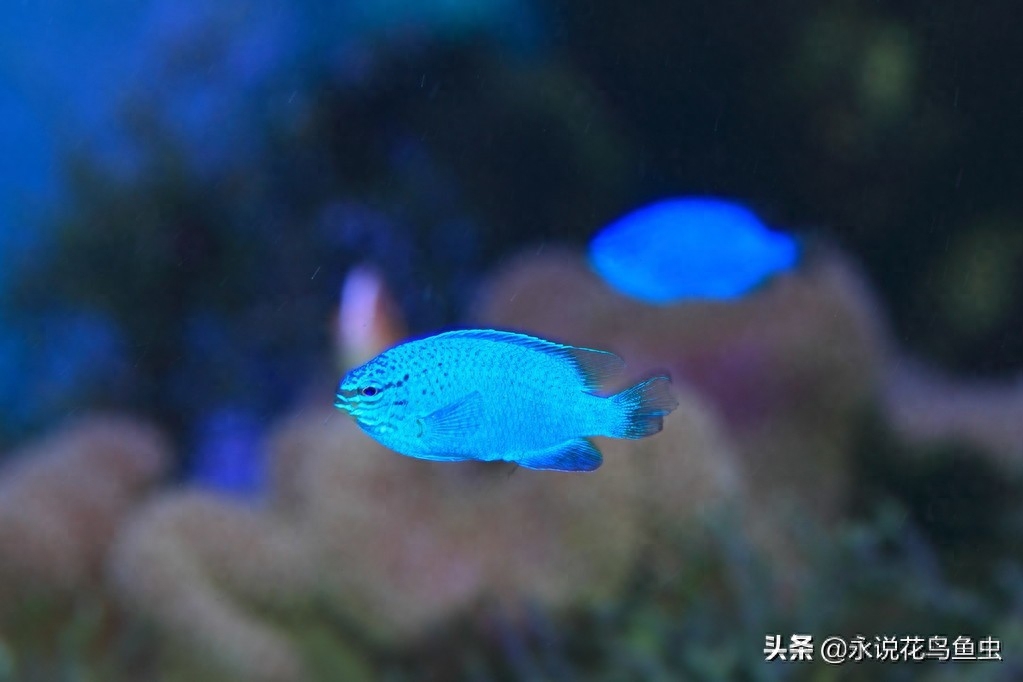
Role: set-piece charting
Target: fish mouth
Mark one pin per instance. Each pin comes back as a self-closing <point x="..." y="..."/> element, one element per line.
<point x="343" y="400"/>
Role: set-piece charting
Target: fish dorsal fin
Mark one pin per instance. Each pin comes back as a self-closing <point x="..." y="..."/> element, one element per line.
<point x="595" y="367"/>
<point x="575" y="455"/>
<point x="454" y="420"/>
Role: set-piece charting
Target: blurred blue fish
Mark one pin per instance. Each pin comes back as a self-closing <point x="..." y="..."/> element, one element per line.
<point x="480" y="394"/>
<point x="690" y="248"/>
<point x="230" y="456"/>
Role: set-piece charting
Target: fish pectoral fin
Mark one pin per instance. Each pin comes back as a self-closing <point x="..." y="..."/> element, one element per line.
<point x="456" y="419"/>
<point x="575" y="455"/>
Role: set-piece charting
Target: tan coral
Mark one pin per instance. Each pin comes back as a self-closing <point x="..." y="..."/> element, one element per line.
<point x="397" y="545"/>
<point x="450" y="534"/>
<point x="787" y="368"/>
<point x="927" y="407"/>
<point x="192" y="560"/>
<point x="63" y="498"/>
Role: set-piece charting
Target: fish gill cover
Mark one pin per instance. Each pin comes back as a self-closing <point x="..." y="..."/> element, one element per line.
<point x="690" y="248"/>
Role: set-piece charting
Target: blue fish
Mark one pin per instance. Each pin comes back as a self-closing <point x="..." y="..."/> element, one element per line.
<point x="481" y="394"/>
<point x="690" y="248"/>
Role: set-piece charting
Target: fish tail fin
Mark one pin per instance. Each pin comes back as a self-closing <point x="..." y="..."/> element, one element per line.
<point x="642" y="408"/>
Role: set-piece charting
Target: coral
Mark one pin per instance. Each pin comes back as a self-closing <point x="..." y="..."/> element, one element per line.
<point x="451" y="534"/>
<point x="63" y="499"/>
<point x="770" y="387"/>
<point x="189" y="558"/>
<point x="396" y="546"/>
<point x="787" y="368"/>
<point x="926" y="406"/>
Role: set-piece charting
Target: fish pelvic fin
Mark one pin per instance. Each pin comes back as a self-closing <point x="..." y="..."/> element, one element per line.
<point x="575" y="455"/>
<point x="642" y="408"/>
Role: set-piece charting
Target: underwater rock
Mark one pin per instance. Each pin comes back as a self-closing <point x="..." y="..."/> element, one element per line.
<point x="395" y="546"/>
<point x="787" y="368"/>
<point x="63" y="499"/>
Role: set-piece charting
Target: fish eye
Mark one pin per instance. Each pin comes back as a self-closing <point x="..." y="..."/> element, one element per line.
<point x="369" y="391"/>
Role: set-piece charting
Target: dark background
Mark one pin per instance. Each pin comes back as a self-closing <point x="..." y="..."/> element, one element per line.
<point x="254" y="146"/>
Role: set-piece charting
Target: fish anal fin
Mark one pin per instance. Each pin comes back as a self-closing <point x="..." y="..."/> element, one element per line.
<point x="575" y="455"/>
